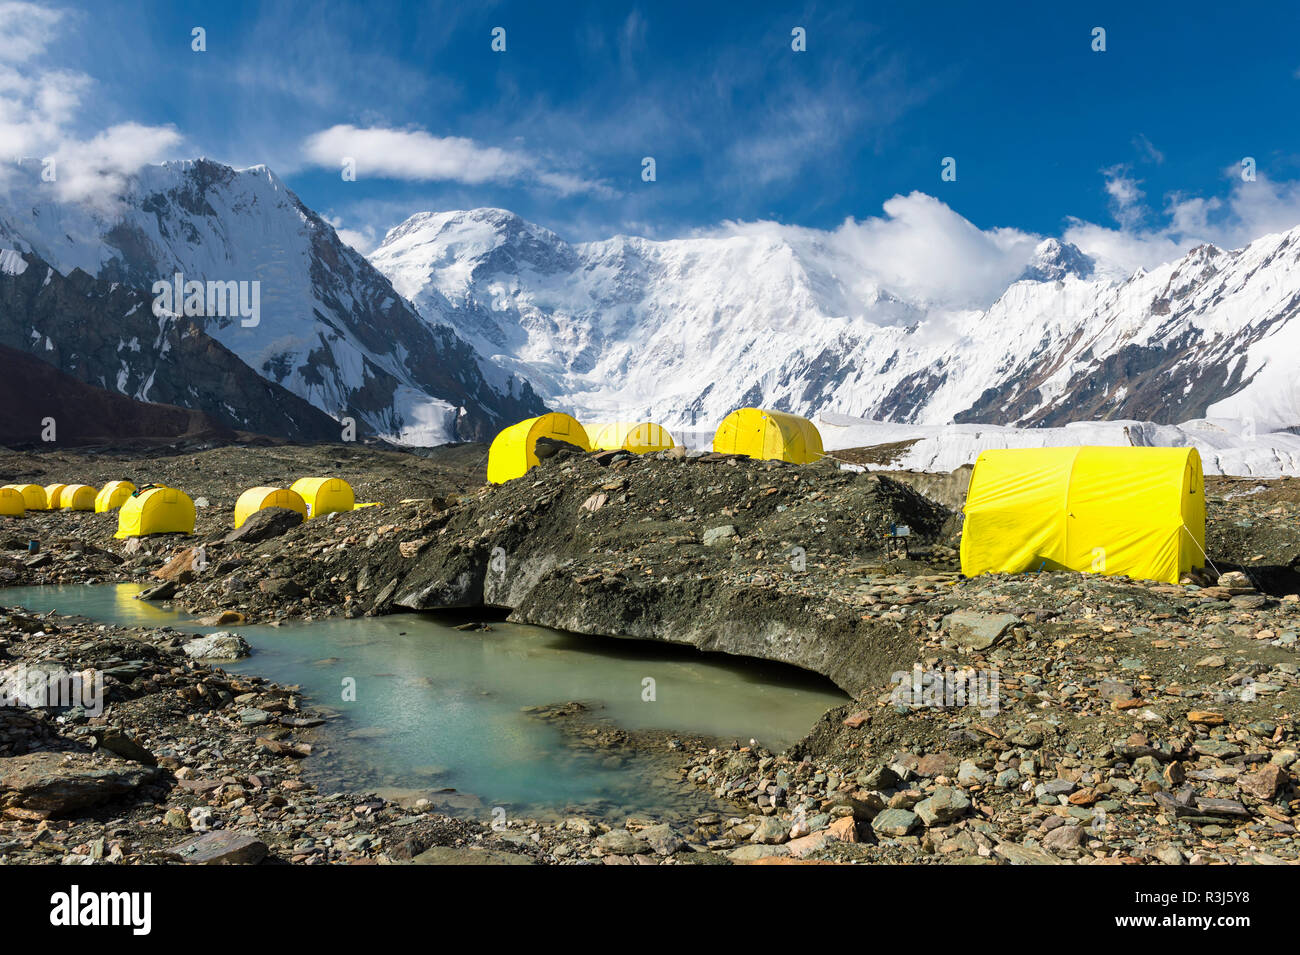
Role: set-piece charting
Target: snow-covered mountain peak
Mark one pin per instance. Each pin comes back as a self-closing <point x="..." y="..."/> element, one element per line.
<point x="1053" y="260"/>
<point x="687" y="329"/>
<point x="330" y="327"/>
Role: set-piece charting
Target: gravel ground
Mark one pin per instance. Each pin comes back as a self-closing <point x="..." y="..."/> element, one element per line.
<point x="1106" y="720"/>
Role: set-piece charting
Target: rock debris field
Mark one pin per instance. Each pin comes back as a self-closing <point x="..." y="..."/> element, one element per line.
<point x="1048" y="718"/>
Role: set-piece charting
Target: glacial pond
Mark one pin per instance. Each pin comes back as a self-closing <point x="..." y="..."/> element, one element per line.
<point x="421" y="709"/>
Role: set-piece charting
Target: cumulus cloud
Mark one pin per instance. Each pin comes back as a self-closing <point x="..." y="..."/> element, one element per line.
<point x="920" y="250"/>
<point x="363" y="240"/>
<point x="1252" y="209"/>
<point x="95" y="171"/>
<point x="39" y="109"/>
<point x="416" y="155"/>
<point x="1126" y="196"/>
<point x="26" y="30"/>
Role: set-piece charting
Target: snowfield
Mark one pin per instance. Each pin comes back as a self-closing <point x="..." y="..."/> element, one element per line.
<point x="1226" y="446"/>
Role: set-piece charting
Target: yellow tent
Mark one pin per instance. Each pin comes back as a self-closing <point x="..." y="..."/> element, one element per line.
<point x="769" y="435"/>
<point x="257" y="498"/>
<point x="323" y="495"/>
<point x="52" y="492"/>
<point x="33" y="495"/>
<point x="513" y="451"/>
<point x="77" y="497"/>
<point x="113" y="495"/>
<point x="160" y="510"/>
<point x="1139" y="512"/>
<point x="12" y="503"/>
<point x="640" y="438"/>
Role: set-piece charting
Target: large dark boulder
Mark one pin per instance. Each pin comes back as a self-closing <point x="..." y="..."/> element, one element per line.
<point x="265" y="524"/>
<point x="57" y="784"/>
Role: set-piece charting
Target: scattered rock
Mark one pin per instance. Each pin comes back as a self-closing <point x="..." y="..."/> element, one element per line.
<point x="223" y="645"/>
<point x="220" y="847"/>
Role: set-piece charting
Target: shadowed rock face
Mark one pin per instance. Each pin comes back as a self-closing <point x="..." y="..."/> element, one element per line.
<point x="330" y="328"/>
<point x="31" y="391"/>
<point x="57" y="783"/>
<point x="83" y="349"/>
<point x="626" y="551"/>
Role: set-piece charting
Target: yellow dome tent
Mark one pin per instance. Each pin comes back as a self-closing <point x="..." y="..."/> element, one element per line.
<point x="324" y="495"/>
<point x="113" y="495"/>
<point x="12" y="503"/>
<point x="52" y="492"/>
<point x="637" y="437"/>
<point x="513" y="451"/>
<point x="259" y="498"/>
<point x="159" y="510"/>
<point x="769" y="436"/>
<point x="33" y="495"/>
<point x="77" y="497"/>
<point x="1139" y="512"/>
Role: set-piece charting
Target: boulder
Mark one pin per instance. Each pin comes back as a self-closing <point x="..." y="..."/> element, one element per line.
<point x="943" y="806"/>
<point x="620" y="842"/>
<point x="265" y="524"/>
<point x="547" y="447"/>
<point x="1065" y="838"/>
<point x="753" y="851"/>
<point x="894" y="822"/>
<point x="217" y="646"/>
<point x="1025" y="855"/>
<point x="1264" y="782"/>
<point x="723" y="534"/>
<point x="661" y="839"/>
<point x="182" y="568"/>
<point x="164" y="591"/>
<point x="976" y="630"/>
<point x="770" y="831"/>
<point x="124" y="745"/>
<point x="220" y="847"/>
<point x="55" y="784"/>
<point x="453" y="855"/>
<point x="281" y="587"/>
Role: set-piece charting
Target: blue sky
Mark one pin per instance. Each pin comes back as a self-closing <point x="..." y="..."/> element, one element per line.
<point x="1134" y="152"/>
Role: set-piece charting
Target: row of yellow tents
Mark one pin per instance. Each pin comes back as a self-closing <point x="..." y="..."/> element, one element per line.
<point x="156" y="509"/>
<point x="754" y="432"/>
<point x="15" y="499"/>
<point x="310" y="497"/>
<point x="1136" y="512"/>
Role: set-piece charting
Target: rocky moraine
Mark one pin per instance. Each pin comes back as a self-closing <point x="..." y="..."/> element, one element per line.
<point x="1046" y="718"/>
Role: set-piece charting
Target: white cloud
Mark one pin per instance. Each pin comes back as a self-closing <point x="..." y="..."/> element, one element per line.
<point x="1251" y="210"/>
<point x="364" y="240"/>
<point x="413" y="154"/>
<point x="1126" y="196"/>
<point x="39" y="108"/>
<point x="920" y="250"/>
<point x="94" y="172"/>
<point x="26" y="30"/>
<point x="1148" y="149"/>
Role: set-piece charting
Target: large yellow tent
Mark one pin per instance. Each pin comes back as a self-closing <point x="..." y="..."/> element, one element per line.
<point x="323" y="495"/>
<point x="638" y="437"/>
<point x="258" y="498"/>
<point x="159" y="510"/>
<point x="33" y="495"/>
<point x="1138" y="512"/>
<point x="769" y="436"/>
<point x="77" y="497"/>
<point x="12" y="503"/>
<point x="52" y="492"/>
<point x="113" y="495"/>
<point x="514" y="450"/>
